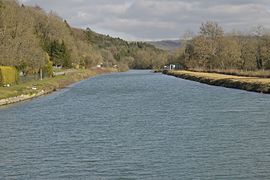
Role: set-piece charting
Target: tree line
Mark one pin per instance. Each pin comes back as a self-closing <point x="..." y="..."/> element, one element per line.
<point x="135" y="55"/>
<point x="31" y="39"/>
<point x="212" y="49"/>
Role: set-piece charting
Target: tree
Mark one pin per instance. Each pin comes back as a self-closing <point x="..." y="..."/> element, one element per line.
<point x="211" y="30"/>
<point x="248" y="52"/>
<point x="28" y="34"/>
<point x="202" y="51"/>
<point x="264" y="52"/>
<point x="229" y="54"/>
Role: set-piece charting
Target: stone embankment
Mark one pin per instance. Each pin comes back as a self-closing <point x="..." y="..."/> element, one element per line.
<point x="22" y="97"/>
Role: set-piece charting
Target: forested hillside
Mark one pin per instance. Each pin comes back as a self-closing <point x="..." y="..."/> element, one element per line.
<point x="138" y="55"/>
<point x="168" y="45"/>
<point x="31" y="38"/>
<point x="212" y="49"/>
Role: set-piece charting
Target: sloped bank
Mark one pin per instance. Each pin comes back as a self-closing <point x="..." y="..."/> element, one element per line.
<point x="33" y="89"/>
<point x="254" y="84"/>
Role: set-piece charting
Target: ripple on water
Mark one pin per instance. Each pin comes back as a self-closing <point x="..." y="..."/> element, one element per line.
<point x="137" y="125"/>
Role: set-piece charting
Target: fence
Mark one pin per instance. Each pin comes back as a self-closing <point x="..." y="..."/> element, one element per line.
<point x="24" y="79"/>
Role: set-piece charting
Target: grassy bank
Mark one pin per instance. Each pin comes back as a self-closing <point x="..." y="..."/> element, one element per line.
<point x="33" y="89"/>
<point x="255" y="84"/>
<point x="235" y="72"/>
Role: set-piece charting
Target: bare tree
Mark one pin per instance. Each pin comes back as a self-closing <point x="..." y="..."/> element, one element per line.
<point x="211" y="30"/>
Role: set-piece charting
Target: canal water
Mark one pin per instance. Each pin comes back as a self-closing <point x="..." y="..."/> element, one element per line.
<point x="137" y="125"/>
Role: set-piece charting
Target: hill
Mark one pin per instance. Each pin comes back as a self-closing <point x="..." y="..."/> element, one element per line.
<point x="32" y="39"/>
<point x="168" y="45"/>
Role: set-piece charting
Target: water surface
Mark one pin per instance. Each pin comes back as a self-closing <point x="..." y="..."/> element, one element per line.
<point x="137" y="125"/>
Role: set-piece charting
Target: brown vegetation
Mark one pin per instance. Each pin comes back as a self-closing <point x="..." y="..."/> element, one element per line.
<point x="255" y="84"/>
<point x="31" y="39"/>
<point x="214" y="51"/>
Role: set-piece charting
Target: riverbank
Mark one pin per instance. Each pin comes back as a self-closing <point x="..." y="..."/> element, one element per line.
<point x="254" y="84"/>
<point x="33" y="89"/>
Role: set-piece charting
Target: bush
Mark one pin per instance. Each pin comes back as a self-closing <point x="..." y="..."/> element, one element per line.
<point x="8" y="75"/>
<point x="48" y="68"/>
<point x="165" y="71"/>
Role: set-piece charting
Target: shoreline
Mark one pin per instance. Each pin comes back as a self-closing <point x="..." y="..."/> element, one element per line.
<point x="253" y="84"/>
<point x="34" y="89"/>
<point x="21" y="98"/>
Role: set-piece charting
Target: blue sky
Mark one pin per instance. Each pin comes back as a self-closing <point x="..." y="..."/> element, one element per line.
<point x="158" y="19"/>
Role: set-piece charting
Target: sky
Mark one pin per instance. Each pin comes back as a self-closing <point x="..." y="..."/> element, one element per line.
<point x="158" y="19"/>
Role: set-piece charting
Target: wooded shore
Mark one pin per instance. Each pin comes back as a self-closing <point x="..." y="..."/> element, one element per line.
<point x="254" y="84"/>
<point x="33" y="89"/>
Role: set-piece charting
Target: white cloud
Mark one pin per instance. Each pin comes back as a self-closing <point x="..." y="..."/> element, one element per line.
<point x="158" y="19"/>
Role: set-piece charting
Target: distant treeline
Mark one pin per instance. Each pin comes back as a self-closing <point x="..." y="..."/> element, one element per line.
<point x="31" y="39"/>
<point x="211" y="49"/>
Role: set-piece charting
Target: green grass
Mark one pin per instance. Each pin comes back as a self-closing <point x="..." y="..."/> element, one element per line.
<point x="27" y="88"/>
<point x="49" y="84"/>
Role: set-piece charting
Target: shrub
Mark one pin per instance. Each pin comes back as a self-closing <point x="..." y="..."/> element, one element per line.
<point x="8" y="75"/>
<point x="48" y="68"/>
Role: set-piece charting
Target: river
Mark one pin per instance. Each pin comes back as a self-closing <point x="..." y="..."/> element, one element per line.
<point x="137" y="125"/>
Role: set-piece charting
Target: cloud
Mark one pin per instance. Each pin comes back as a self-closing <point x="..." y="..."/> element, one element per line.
<point x="158" y="19"/>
